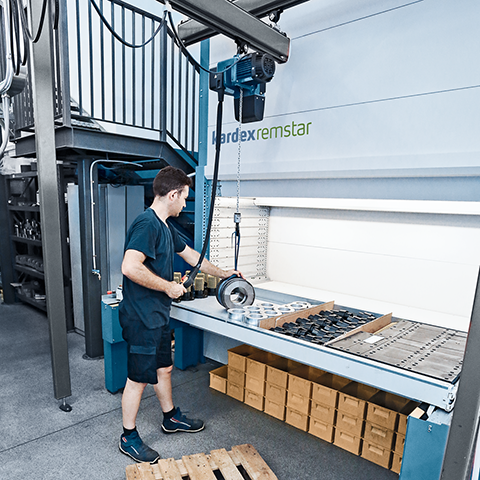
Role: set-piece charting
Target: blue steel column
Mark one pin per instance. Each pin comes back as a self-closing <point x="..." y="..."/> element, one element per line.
<point x="189" y="340"/>
<point x="202" y="144"/>
<point x="49" y="189"/>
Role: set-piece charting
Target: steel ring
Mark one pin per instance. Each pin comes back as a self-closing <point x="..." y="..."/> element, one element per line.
<point x="236" y="314"/>
<point x="235" y="292"/>
<point x="255" y="318"/>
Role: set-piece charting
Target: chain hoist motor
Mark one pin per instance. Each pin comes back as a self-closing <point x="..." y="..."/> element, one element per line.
<point x="250" y="75"/>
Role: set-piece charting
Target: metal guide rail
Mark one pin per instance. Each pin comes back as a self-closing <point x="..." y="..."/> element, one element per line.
<point x="207" y="314"/>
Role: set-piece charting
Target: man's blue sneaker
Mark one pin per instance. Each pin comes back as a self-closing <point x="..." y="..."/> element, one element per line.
<point x="133" y="446"/>
<point x="180" y="423"/>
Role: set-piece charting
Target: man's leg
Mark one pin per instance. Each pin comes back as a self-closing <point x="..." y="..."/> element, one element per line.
<point x="173" y="419"/>
<point x="163" y="388"/>
<point x="132" y="395"/>
<point x="130" y="442"/>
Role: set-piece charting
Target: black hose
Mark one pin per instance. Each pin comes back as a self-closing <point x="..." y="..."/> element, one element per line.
<point x="191" y="277"/>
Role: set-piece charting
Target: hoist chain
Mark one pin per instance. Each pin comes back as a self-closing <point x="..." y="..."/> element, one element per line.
<point x="240" y="118"/>
<point x="237" y="215"/>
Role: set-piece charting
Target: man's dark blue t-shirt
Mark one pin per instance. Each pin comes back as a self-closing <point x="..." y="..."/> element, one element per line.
<point x="159" y="242"/>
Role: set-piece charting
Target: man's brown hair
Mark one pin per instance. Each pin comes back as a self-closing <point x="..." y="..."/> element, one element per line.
<point x="168" y="179"/>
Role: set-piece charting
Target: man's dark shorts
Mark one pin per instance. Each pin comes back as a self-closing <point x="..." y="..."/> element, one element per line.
<point x="148" y="350"/>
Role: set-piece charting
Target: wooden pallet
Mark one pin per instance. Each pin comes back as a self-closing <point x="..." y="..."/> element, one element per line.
<point x="202" y="467"/>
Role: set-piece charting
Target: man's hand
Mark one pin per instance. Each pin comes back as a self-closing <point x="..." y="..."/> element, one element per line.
<point x="175" y="290"/>
<point x="229" y="273"/>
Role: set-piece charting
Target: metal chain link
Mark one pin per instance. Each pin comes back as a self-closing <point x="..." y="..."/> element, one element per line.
<point x="240" y="118"/>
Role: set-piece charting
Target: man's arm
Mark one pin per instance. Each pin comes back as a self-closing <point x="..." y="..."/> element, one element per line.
<point x="192" y="256"/>
<point x="133" y="267"/>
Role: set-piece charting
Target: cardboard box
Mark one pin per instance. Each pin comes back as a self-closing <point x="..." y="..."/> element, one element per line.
<point x="383" y="409"/>
<point x="349" y="424"/>
<point x="235" y="391"/>
<point x="322" y="412"/>
<point x="376" y="454"/>
<point x="255" y="384"/>
<point x="399" y="443"/>
<point x="236" y="376"/>
<point x="323" y="430"/>
<point x="353" y="398"/>
<point x="256" y="364"/>
<point x="218" y="379"/>
<point x="300" y="380"/>
<point x="347" y="441"/>
<point x="276" y="393"/>
<point x="298" y="402"/>
<point x="379" y="435"/>
<point x="277" y="371"/>
<point x="274" y="409"/>
<point x="237" y="357"/>
<point x="396" y="463"/>
<point x="326" y="387"/>
<point x="297" y="419"/>
<point x="409" y="409"/>
<point x="254" y="399"/>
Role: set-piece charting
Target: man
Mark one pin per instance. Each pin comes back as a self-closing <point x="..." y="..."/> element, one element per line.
<point x="148" y="290"/>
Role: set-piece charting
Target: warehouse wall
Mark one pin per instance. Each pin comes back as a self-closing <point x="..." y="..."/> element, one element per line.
<point x="383" y="99"/>
<point x="376" y="101"/>
<point x="418" y="260"/>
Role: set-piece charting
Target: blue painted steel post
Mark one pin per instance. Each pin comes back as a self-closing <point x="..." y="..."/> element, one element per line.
<point x="202" y="145"/>
<point x="189" y="340"/>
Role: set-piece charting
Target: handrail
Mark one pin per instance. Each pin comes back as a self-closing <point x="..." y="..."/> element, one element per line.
<point x="149" y="92"/>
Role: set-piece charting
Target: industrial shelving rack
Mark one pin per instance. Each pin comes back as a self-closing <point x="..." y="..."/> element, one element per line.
<point x="25" y="235"/>
<point x="22" y="262"/>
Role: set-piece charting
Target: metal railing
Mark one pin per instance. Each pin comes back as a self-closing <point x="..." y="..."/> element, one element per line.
<point x="150" y="92"/>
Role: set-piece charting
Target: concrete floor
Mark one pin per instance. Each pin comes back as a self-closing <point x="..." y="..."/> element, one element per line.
<point x="38" y="440"/>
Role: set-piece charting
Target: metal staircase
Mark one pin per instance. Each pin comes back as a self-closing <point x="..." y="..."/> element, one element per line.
<point x="113" y="102"/>
<point x="128" y="103"/>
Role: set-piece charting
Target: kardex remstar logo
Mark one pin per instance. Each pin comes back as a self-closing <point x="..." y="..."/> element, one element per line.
<point x="283" y="131"/>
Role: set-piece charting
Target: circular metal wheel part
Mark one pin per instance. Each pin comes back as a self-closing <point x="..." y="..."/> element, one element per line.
<point x="254" y="318"/>
<point x="267" y="305"/>
<point x="235" y="292"/>
<point x="284" y="309"/>
<point x="299" y="305"/>
<point x="236" y="314"/>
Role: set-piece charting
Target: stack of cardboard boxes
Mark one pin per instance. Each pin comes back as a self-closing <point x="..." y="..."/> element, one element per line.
<point x="356" y="417"/>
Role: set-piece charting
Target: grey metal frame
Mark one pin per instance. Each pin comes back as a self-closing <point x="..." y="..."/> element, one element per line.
<point x="227" y="18"/>
<point x="50" y="191"/>
<point x="209" y="315"/>
<point x="463" y="434"/>
<point x="192" y="31"/>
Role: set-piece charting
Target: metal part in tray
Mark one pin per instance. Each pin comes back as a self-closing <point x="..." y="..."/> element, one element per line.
<point x="426" y="349"/>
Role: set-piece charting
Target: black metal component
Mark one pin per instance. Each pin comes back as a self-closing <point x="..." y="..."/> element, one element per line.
<point x="92" y="292"/>
<point x="323" y="326"/>
<point x="65" y="407"/>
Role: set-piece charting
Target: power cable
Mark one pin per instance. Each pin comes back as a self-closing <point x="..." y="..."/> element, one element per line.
<point x="118" y="37"/>
<point x="184" y="49"/>
<point x="31" y="37"/>
<point x="191" y="276"/>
